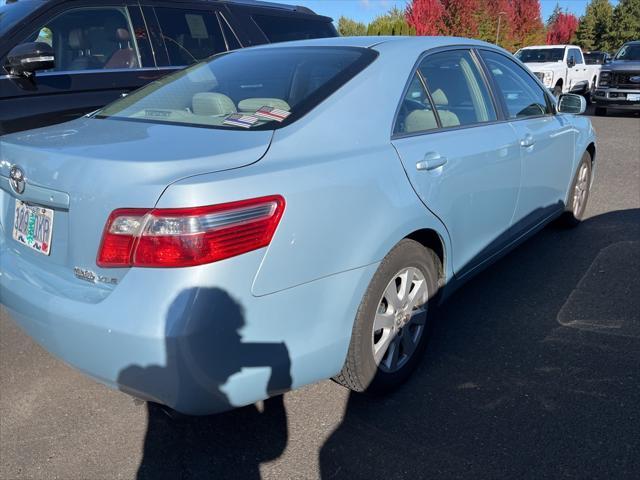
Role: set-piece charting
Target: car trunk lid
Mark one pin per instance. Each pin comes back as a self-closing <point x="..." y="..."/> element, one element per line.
<point x="83" y="170"/>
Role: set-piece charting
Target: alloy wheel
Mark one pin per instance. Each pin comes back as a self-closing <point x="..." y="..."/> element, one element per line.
<point x="400" y="319"/>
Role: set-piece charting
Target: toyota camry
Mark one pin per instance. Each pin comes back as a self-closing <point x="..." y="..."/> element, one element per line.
<point x="279" y="215"/>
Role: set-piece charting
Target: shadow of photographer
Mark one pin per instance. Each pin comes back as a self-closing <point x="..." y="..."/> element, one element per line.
<point x="204" y="349"/>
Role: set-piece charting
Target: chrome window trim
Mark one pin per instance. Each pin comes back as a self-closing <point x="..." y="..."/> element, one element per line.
<point x="235" y="34"/>
<point x="479" y="64"/>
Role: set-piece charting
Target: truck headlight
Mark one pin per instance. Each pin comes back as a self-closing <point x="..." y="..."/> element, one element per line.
<point x="547" y="78"/>
<point x="605" y="78"/>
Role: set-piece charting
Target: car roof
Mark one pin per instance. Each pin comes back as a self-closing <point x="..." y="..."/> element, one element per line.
<point x="411" y="43"/>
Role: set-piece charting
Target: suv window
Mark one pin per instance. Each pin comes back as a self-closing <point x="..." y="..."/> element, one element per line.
<point x="190" y="35"/>
<point x="260" y="89"/>
<point x="90" y="38"/>
<point x="283" y="29"/>
<point x="522" y="95"/>
<point x="457" y="88"/>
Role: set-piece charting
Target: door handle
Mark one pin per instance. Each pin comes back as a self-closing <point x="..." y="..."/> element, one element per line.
<point x="432" y="160"/>
<point x="527" y="141"/>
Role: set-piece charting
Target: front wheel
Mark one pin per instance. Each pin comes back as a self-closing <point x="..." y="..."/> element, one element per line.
<point x="392" y="324"/>
<point x="557" y="90"/>
<point x="579" y="193"/>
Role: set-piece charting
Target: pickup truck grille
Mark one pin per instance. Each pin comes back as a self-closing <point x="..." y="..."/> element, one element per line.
<point x="540" y="76"/>
<point x="621" y="80"/>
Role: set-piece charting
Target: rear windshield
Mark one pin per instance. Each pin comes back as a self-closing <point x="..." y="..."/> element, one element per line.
<point x="284" y="29"/>
<point x="257" y="89"/>
<point x="540" y="55"/>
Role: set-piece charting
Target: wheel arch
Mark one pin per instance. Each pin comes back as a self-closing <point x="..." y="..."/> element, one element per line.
<point x="431" y="239"/>
<point x="591" y="149"/>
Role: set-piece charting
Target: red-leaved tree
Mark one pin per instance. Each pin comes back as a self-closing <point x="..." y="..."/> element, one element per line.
<point x="562" y="29"/>
<point x="427" y="17"/>
<point x="459" y="17"/>
<point x="527" y="26"/>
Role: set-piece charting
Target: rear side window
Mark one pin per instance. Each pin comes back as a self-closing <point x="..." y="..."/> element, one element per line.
<point x="457" y="88"/>
<point x="261" y="89"/>
<point x="283" y="29"/>
<point x="415" y="113"/>
<point x="190" y="35"/>
<point x="522" y="95"/>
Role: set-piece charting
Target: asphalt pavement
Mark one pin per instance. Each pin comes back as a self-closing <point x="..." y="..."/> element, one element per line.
<point x="532" y="371"/>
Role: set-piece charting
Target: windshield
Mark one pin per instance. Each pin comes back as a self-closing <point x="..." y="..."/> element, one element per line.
<point x="629" y="53"/>
<point x="258" y="89"/>
<point x="12" y="13"/>
<point x="540" y="55"/>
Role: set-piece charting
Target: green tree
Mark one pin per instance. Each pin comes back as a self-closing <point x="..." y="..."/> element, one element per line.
<point x="626" y="23"/>
<point x="596" y="26"/>
<point x="391" y="23"/>
<point x="554" y="15"/>
<point x="351" y="28"/>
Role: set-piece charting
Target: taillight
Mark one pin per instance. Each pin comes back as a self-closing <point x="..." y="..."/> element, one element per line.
<point x="183" y="237"/>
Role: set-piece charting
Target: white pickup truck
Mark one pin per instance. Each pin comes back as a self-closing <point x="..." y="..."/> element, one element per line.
<point x="561" y="68"/>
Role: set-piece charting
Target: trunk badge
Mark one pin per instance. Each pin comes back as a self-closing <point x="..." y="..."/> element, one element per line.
<point x="93" y="277"/>
<point x="17" y="180"/>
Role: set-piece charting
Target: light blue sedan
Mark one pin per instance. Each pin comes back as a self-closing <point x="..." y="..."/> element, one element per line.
<point x="280" y="215"/>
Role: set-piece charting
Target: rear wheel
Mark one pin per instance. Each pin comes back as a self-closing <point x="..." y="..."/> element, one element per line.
<point x="601" y="111"/>
<point x="392" y="324"/>
<point x="579" y="193"/>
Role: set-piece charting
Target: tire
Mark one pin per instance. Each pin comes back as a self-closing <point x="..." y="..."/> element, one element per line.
<point x="578" y="195"/>
<point x="557" y="90"/>
<point x="369" y="368"/>
<point x="601" y="111"/>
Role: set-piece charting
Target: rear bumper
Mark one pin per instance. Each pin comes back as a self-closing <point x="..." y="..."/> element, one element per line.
<point x="177" y="338"/>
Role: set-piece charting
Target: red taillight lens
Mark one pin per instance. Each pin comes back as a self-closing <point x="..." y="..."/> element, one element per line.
<point x="182" y="237"/>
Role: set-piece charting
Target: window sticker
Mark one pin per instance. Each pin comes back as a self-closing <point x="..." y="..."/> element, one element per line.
<point x="240" y="120"/>
<point x="272" y="113"/>
<point x="197" y="27"/>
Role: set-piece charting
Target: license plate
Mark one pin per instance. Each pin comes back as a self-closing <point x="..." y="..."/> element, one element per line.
<point x="633" y="97"/>
<point x="33" y="226"/>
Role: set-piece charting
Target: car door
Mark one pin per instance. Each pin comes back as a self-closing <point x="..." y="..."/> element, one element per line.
<point x="547" y="139"/>
<point x="102" y="51"/>
<point x="462" y="161"/>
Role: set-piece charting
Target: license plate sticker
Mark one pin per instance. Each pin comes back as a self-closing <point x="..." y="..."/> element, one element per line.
<point x="33" y="227"/>
<point x="633" y="97"/>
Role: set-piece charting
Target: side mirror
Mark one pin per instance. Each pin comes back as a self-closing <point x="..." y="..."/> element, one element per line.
<point x="571" y="103"/>
<point x="27" y="58"/>
<point x="571" y="62"/>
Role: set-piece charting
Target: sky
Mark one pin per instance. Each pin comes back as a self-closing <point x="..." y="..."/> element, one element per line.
<point x="367" y="10"/>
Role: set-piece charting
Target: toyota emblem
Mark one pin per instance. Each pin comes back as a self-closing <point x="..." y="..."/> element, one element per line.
<point x="17" y="180"/>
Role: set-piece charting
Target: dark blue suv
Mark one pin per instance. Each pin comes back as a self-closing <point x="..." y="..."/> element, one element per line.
<point x="60" y="59"/>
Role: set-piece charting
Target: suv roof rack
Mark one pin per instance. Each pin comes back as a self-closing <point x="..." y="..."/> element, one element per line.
<point x="260" y="3"/>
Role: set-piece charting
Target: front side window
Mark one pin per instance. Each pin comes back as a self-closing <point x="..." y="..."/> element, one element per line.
<point x="260" y="89"/>
<point x="284" y="29"/>
<point x="522" y="96"/>
<point x="190" y="35"/>
<point x="90" y="39"/>
<point x="457" y="88"/>
<point x="576" y="56"/>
